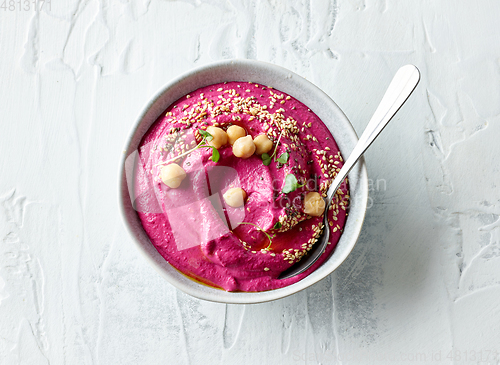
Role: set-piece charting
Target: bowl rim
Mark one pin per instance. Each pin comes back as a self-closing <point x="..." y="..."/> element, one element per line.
<point x="180" y="280"/>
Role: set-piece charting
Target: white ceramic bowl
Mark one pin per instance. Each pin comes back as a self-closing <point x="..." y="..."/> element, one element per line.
<point x="283" y="80"/>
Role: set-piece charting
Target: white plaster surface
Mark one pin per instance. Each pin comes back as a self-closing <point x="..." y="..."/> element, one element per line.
<point x="421" y="286"/>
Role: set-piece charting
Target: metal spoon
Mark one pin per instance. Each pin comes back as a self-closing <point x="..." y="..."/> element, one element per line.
<point x="400" y="88"/>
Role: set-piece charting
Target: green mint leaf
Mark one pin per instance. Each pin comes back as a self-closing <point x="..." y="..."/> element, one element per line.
<point x="205" y="134"/>
<point x="215" y="154"/>
<point x="266" y="159"/>
<point x="291" y="184"/>
<point x="284" y="158"/>
<point x="277" y="225"/>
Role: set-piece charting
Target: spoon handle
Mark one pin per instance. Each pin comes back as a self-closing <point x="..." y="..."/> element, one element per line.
<point x="400" y="88"/>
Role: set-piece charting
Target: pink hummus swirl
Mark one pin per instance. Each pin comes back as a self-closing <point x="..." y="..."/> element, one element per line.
<point x="194" y="229"/>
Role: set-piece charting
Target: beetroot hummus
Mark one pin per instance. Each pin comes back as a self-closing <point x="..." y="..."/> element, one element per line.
<point x="193" y="219"/>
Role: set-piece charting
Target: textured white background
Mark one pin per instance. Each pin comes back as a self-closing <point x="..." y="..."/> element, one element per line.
<point x="424" y="278"/>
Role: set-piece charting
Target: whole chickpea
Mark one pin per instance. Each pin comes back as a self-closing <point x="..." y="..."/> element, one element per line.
<point x="172" y="175"/>
<point x="263" y="144"/>
<point x="235" y="197"/>
<point x="220" y="136"/>
<point x="244" y="147"/>
<point x="234" y="132"/>
<point x="314" y="204"/>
